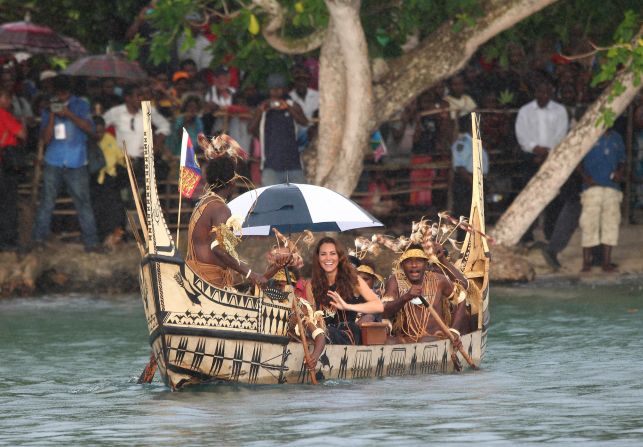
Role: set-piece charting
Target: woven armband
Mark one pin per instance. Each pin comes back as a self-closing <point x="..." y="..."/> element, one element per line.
<point x="316" y="332"/>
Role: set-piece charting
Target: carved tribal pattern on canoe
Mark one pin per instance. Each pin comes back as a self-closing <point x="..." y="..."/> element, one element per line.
<point x="230" y="299"/>
<point x="247" y="312"/>
<point x="430" y="362"/>
<point x="362" y="364"/>
<point x="397" y="362"/>
<point x="212" y="320"/>
<point x="190" y="353"/>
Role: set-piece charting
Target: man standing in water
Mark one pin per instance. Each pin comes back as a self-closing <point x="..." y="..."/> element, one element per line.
<point x="411" y="284"/>
<point x="209" y="225"/>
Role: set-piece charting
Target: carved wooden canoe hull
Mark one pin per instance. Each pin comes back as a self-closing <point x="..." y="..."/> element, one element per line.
<point x="200" y="333"/>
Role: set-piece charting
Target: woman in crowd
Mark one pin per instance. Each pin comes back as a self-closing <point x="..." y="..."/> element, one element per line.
<point x="337" y="291"/>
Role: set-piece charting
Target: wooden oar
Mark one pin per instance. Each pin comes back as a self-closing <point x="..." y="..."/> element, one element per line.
<point x="148" y="373"/>
<point x="302" y="333"/>
<point x="451" y="337"/>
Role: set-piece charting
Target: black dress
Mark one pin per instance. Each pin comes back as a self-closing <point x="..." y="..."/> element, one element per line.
<point x="342" y="328"/>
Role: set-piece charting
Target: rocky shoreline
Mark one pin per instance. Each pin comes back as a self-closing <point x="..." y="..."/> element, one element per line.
<point x="64" y="268"/>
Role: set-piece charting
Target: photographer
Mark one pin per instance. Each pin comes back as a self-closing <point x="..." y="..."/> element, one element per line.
<point x="274" y="124"/>
<point x="64" y="130"/>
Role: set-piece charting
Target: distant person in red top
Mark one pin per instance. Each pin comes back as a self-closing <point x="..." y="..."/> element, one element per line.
<point x="11" y="130"/>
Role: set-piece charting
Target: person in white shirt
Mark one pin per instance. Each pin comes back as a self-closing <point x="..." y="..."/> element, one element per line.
<point x="200" y="53"/>
<point x="540" y="126"/>
<point x="308" y="100"/>
<point x="127" y="120"/>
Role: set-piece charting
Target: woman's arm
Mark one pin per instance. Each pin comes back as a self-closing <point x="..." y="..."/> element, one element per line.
<point x="373" y="305"/>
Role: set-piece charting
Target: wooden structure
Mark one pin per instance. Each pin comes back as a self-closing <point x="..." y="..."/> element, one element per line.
<point x="200" y="333"/>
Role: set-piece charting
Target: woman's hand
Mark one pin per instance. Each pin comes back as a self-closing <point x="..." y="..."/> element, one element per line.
<point x="337" y="301"/>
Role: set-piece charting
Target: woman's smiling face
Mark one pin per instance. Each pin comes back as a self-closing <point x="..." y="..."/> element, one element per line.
<point x="328" y="257"/>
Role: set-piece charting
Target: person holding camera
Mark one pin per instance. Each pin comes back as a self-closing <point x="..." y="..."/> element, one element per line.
<point x="274" y="123"/>
<point x="64" y="130"/>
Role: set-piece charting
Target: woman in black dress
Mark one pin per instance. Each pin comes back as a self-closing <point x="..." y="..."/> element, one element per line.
<point x="339" y="292"/>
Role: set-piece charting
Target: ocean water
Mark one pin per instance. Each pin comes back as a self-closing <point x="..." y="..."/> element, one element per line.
<point x="563" y="366"/>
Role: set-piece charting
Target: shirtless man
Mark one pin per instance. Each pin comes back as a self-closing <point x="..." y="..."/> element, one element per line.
<point x="412" y="321"/>
<point x="212" y="262"/>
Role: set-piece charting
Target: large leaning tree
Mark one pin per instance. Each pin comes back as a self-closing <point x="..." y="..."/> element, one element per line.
<point x="378" y="55"/>
<point x="623" y="63"/>
<point x="367" y="73"/>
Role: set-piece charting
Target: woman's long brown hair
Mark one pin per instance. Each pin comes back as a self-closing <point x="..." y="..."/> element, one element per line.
<point x="346" y="278"/>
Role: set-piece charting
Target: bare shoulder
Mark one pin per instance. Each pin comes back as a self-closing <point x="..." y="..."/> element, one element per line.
<point x="216" y="211"/>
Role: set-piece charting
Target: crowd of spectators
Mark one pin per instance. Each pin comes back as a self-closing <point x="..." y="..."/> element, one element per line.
<point x="526" y="107"/>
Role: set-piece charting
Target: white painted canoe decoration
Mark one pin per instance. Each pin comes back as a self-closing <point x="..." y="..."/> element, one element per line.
<point x="200" y="333"/>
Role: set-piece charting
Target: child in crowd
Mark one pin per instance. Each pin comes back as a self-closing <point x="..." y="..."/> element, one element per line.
<point x="108" y="205"/>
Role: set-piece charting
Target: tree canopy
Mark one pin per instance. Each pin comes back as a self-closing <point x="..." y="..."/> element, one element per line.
<point x="95" y="24"/>
<point x="390" y="27"/>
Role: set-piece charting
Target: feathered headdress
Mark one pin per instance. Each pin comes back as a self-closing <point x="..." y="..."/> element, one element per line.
<point x="221" y="146"/>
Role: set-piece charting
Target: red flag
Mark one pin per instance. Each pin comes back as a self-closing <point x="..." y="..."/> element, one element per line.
<point x="190" y="172"/>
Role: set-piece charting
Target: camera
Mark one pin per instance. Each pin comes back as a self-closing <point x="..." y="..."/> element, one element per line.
<point x="275" y="104"/>
<point x="56" y="106"/>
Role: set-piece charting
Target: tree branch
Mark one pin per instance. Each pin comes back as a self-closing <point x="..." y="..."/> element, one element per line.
<point x="560" y="163"/>
<point x="444" y="52"/>
<point x="270" y="31"/>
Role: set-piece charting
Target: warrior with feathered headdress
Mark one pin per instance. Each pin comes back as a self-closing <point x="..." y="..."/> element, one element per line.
<point x="213" y="230"/>
<point x="423" y="276"/>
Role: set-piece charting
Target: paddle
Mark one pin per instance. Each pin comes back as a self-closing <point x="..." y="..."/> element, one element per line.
<point x="148" y="373"/>
<point x="451" y="337"/>
<point x="302" y="333"/>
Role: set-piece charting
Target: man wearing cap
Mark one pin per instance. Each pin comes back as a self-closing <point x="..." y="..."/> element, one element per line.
<point x="412" y="286"/>
<point x="274" y="123"/>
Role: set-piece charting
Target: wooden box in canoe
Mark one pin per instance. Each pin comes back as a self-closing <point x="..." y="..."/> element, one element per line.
<point x="200" y="333"/>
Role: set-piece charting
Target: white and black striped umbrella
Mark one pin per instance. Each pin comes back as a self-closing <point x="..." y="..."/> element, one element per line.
<point x="293" y="207"/>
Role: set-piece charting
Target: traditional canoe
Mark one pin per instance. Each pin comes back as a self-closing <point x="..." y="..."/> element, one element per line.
<point x="200" y="333"/>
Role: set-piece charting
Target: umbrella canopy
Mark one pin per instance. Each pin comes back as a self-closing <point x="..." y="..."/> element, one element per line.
<point x="36" y="39"/>
<point x="106" y="66"/>
<point x="293" y="207"/>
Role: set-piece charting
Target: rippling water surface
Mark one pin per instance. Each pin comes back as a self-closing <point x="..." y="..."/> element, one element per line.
<point x="564" y="366"/>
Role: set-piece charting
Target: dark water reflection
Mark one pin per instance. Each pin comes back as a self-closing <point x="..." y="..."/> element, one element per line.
<point x="564" y="366"/>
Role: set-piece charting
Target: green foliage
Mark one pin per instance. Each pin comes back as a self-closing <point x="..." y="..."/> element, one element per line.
<point x="625" y="53"/>
<point x="95" y="24"/>
<point x="565" y="23"/>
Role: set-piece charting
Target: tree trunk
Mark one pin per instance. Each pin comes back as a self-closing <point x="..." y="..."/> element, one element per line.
<point x="347" y="29"/>
<point x="332" y="104"/>
<point x="440" y="55"/>
<point x="444" y="52"/>
<point x="560" y="163"/>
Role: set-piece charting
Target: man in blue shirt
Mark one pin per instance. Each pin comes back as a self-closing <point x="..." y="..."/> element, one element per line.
<point x="462" y="162"/>
<point x="64" y="130"/>
<point x="602" y="170"/>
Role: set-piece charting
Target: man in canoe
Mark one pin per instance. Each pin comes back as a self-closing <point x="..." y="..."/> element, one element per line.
<point x="413" y="285"/>
<point x="211" y="233"/>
